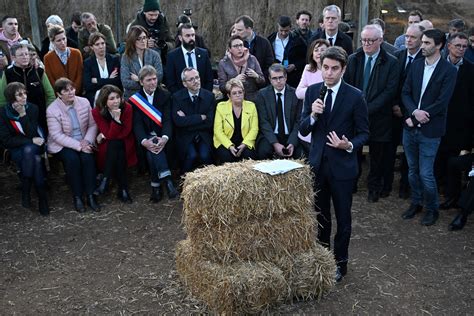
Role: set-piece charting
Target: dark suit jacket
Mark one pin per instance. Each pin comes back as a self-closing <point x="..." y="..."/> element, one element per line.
<point x="343" y="40"/>
<point x="401" y="56"/>
<point x="143" y="125"/>
<point x="267" y="114"/>
<point x="382" y="88"/>
<point x="295" y="53"/>
<point x="460" y="120"/>
<point x="91" y="70"/>
<point x="261" y="48"/>
<point x="436" y="97"/>
<point x="176" y="63"/>
<point x="348" y="117"/>
<point x="191" y="125"/>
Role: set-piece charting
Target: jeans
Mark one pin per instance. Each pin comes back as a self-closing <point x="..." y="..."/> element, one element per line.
<point x="28" y="160"/>
<point x="200" y="152"/>
<point x="80" y="170"/>
<point x="421" y="153"/>
<point x="158" y="167"/>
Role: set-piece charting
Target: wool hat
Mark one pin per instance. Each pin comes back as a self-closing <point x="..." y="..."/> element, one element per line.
<point x="55" y="20"/>
<point x="151" y="5"/>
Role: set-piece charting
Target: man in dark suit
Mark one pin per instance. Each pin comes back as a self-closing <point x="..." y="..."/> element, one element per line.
<point x="258" y="46"/>
<point x="153" y="128"/>
<point x="375" y="72"/>
<point x="338" y="120"/>
<point x="459" y="122"/>
<point x="187" y="55"/>
<point x="193" y="115"/>
<point x="406" y="56"/>
<point x="426" y="93"/>
<point x="331" y="18"/>
<point x="278" y="116"/>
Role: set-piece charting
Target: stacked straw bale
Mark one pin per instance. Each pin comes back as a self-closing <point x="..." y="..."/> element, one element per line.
<point x="251" y="238"/>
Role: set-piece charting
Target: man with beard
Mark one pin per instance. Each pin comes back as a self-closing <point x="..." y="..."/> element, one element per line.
<point x="187" y="56"/>
<point x="89" y="26"/>
<point x="8" y="37"/>
<point x="303" y="22"/>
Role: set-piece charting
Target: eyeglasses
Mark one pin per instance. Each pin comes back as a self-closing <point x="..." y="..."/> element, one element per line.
<point x="460" y="46"/>
<point x="278" y="78"/>
<point x="193" y="79"/>
<point x="21" y="93"/>
<point x="368" y="41"/>
<point x="238" y="46"/>
<point x="238" y="92"/>
<point x="142" y="38"/>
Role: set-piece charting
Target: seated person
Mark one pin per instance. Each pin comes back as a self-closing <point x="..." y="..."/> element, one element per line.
<point x="116" y="142"/>
<point x="235" y="125"/>
<point x="278" y="115"/>
<point x="20" y="135"/>
<point x="193" y="114"/>
<point x="152" y="127"/>
<point x="72" y="132"/>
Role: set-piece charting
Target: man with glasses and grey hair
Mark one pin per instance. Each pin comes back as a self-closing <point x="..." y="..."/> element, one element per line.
<point x="375" y="72"/>
<point x="331" y="19"/>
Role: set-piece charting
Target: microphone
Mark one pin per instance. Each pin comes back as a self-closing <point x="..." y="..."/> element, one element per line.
<point x="322" y="93"/>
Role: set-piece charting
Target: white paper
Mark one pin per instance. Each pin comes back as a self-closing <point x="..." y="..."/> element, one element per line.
<point x="275" y="167"/>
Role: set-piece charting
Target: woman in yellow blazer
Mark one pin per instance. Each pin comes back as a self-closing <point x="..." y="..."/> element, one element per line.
<point x="235" y="125"/>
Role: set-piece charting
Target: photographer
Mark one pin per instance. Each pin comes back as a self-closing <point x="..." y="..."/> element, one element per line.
<point x="154" y="21"/>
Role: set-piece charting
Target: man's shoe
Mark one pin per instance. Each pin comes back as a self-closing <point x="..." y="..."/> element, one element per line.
<point x="373" y="196"/>
<point x="411" y="211"/>
<point x="459" y="221"/>
<point x="447" y="204"/>
<point x="430" y="218"/>
<point x="384" y="194"/>
<point x="172" y="192"/>
<point x="341" y="271"/>
<point x="156" y="194"/>
<point x="124" y="196"/>
<point x="79" y="204"/>
<point x="92" y="203"/>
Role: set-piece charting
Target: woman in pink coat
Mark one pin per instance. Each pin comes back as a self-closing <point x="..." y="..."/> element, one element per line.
<point x="72" y="132"/>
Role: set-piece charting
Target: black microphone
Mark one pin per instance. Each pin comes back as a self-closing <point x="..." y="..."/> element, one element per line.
<point x="322" y="93"/>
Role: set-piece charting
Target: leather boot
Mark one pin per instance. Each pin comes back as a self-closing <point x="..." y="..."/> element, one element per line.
<point x="156" y="194"/>
<point x="124" y="196"/>
<point x="172" y="192"/>
<point x="25" y="192"/>
<point x="412" y="211"/>
<point x="92" y="203"/>
<point x="42" y="200"/>
<point x="79" y="204"/>
<point x="104" y="184"/>
<point x="459" y="221"/>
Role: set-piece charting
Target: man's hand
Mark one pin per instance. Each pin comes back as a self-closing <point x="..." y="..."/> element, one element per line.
<point x="290" y="68"/>
<point x="290" y="149"/>
<point x="278" y="148"/>
<point x="397" y="111"/>
<point x="151" y="43"/>
<point x="317" y="108"/>
<point x="409" y="122"/>
<point x="181" y="113"/>
<point x="151" y="144"/>
<point x="422" y="116"/>
<point x="336" y="142"/>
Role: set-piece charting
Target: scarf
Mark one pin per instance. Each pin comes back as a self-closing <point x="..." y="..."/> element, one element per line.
<point x="11" y="113"/>
<point x="240" y="62"/>
<point x="9" y="41"/>
<point x="63" y="56"/>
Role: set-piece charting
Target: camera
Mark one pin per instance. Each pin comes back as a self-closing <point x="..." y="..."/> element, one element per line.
<point x="155" y="35"/>
<point x="188" y="12"/>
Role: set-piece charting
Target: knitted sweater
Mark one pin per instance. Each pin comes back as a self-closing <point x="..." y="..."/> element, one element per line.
<point x="72" y="70"/>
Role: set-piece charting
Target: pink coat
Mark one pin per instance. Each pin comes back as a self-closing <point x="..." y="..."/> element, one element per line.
<point x="60" y="125"/>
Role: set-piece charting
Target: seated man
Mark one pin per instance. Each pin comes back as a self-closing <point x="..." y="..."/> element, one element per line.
<point x="278" y="114"/>
<point x="89" y="26"/>
<point x="193" y="114"/>
<point x="152" y="128"/>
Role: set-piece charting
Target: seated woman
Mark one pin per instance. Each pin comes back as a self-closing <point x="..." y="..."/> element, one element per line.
<point x="72" y="132"/>
<point x="100" y="69"/>
<point x="136" y="55"/>
<point x="235" y="125"/>
<point x="20" y="135"/>
<point x="239" y="63"/>
<point x="116" y="150"/>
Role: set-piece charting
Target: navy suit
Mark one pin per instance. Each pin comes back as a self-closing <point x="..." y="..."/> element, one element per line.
<point x="193" y="134"/>
<point x="175" y="63"/>
<point x="336" y="169"/>
<point x="342" y="40"/>
<point x="91" y="70"/>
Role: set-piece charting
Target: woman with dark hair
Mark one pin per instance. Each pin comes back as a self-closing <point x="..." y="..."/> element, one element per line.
<point x="100" y="69"/>
<point x="72" y="132"/>
<point x="20" y="135"/>
<point x="137" y="54"/>
<point x="116" y="149"/>
<point x="239" y="63"/>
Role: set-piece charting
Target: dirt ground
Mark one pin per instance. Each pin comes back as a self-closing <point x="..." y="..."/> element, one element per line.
<point x="121" y="260"/>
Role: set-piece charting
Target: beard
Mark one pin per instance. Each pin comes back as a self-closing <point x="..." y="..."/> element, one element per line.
<point x="189" y="46"/>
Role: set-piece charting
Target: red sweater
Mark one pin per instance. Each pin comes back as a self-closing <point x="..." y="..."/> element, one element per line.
<point x="72" y="70"/>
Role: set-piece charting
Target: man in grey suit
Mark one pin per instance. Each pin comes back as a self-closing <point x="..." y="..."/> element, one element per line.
<point x="278" y="115"/>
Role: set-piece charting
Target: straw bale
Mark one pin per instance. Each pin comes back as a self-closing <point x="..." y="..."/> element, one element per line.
<point x="239" y="288"/>
<point x="254" y="239"/>
<point x="235" y="193"/>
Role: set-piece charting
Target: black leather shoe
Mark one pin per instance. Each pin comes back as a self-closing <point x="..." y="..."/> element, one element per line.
<point x="104" y="184"/>
<point x="447" y="204"/>
<point x="373" y="196"/>
<point x="156" y="194"/>
<point x="412" y="210"/>
<point x="92" y="203"/>
<point x="341" y="271"/>
<point x="79" y="204"/>
<point x="172" y="192"/>
<point x="384" y="194"/>
<point x="430" y="218"/>
<point x="124" y="196"/>
<point x="458" y="222"/>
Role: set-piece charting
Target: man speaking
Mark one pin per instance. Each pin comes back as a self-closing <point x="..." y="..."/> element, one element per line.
<point x="336" y="115"/>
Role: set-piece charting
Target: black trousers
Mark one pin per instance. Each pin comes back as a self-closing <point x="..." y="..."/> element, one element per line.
<point x="224" y="155"/>
<point x="389" y="173"/>
<point x="441" y="165"/>
<point x="457" y="165"/>
<point x="379" y="155"/>
<point x="116" y="162"/>
<point x="265" y="149"/>
<point x="80" y="170"/>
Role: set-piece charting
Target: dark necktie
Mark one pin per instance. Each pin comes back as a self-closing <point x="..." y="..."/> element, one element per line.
<point x="190" y="60"/>
<point x="330" y="41"/>
<point x="407" y="67"/>
<point x="281" y="122"/>
<point x="328" y="105"/>
<point x="367" y="70"/>
<point x="195" y="98"/>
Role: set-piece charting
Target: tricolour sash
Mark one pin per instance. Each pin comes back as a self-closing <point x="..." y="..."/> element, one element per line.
<point x="17" y="127"/>
<point x="149" y="110"/>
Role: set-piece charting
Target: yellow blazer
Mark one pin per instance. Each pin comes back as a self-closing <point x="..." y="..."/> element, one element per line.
<point x="224" y="124"/>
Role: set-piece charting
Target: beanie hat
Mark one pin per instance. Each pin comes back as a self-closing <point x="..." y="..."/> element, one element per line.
<point x="55" y="20"/>
<point x="151" y="5"/>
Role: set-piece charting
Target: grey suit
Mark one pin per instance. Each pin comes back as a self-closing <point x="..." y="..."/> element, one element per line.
<point x="267" y="118"/>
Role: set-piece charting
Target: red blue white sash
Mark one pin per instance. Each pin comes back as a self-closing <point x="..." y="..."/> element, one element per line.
<point x="17" y="127"/>
<point x="148" y="109"/>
